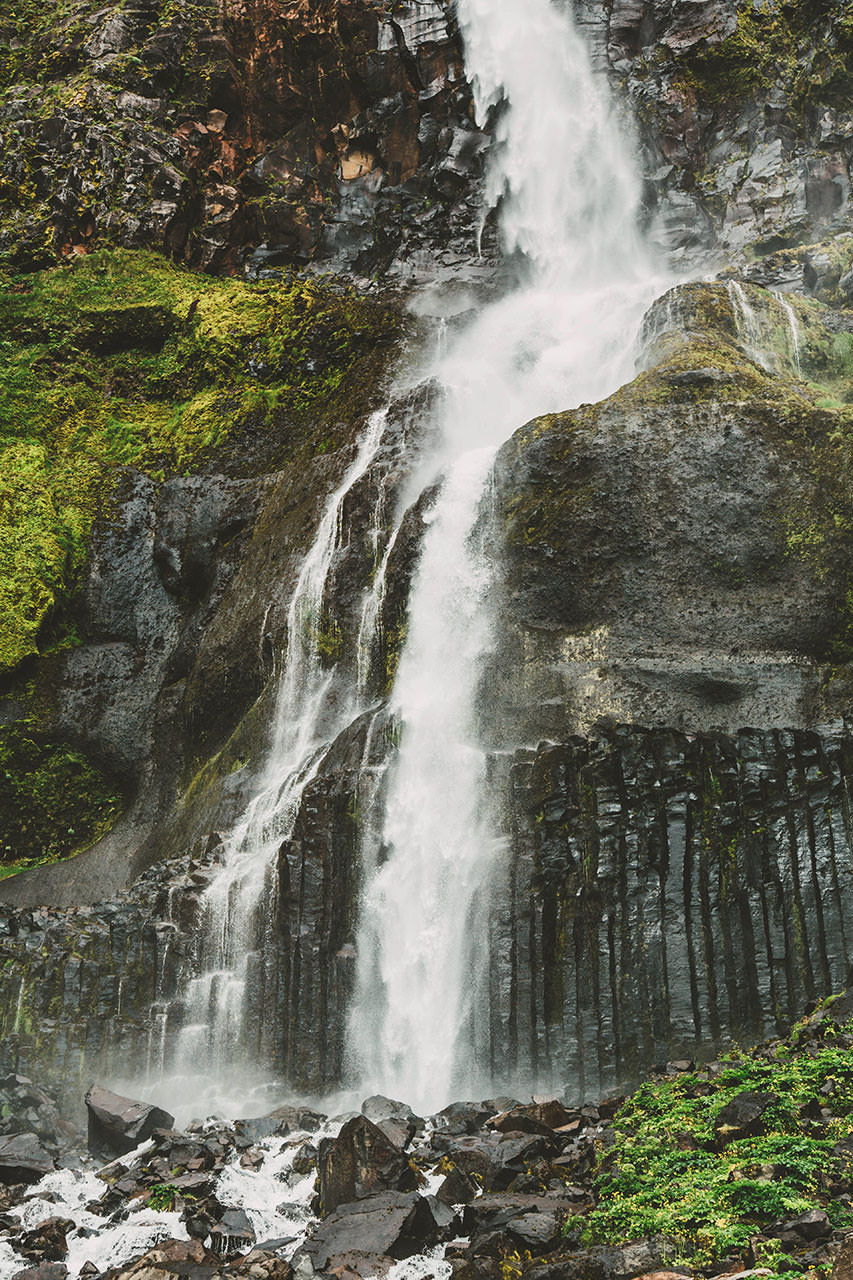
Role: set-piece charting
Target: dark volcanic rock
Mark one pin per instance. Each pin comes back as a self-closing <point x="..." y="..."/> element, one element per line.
<point x="23" y="1159"/>
<point x="392" y="1224"/>
<point x="46" y="1242"/>
<point x="360" y="1162"/>
<point x="117" y="1125"/>
<point x="44" y="1271"/>
<point x="742" y="1117"/>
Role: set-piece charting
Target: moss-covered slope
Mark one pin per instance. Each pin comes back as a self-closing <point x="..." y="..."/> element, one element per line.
<point x="119" y="359"/>
<point x="717" y="1187"/>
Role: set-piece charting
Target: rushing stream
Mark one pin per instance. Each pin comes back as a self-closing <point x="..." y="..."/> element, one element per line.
<point x="567" y="194"/>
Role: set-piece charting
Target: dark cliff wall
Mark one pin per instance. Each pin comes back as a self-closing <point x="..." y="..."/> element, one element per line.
<point x="667" y="711"/>
<point x="253" y="135"/>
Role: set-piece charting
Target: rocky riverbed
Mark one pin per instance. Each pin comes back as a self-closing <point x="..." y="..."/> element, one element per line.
<point x="485" y="1190"/>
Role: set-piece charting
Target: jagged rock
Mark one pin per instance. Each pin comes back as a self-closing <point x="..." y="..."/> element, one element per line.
<point x="392" y="1224"/>
<point x="463" y="1117"/>
<point x="233" y="1234"/>
<point x="46" y="1242"/>
<point x="117" y="1125"/>
<point x="812" y="1225"/>
<point x="23" y="1159"/>
<point x="358" y="1163"/>
<point x="742" y="1117"/>
<point x="396" y="1119"/>
<point x="457" y="1188"/>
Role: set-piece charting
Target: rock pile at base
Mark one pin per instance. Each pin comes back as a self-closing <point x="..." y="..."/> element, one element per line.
<point x="486" y="1190"/>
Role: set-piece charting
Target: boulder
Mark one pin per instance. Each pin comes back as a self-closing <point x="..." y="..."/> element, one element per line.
<point x="604" y="1262"/>
<point x="463" y="1117"/>
<point x="392" y="1224"/>
<point x="457" y="1188"/>
<point x="813" y="1225"/>
<point x="234" y="1234"/>
<point x="46" y="1242"/>
<point x="360" y="1162"/>
<point x="742" y="1117"/>
<point x="44" y="1271"/>
<point x="396" y="1120"/>
<point x="117" y="1124"/>
<point x="23" y="1159"/>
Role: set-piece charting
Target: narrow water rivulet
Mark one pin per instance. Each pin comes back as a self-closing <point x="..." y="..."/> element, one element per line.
<point x="562" y="182"/>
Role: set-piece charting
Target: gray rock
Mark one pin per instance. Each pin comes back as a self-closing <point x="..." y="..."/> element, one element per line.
<point x="359" y="1162"/>
<point x="392" y="1224"/>
<point x="23" y="1159"/>
<point x="118" y="1125"/>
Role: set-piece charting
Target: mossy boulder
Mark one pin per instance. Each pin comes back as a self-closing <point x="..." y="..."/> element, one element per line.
<point x="682" y="552"/>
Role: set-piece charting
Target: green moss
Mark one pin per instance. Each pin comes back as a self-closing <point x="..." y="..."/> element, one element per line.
<point x="53" y="800"/>
<point x="667" y="1175"/>
<point x="120" y="359"/>
<point x="792" y="44"/>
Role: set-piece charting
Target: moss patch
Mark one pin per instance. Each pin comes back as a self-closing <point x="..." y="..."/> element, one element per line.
<point x="800" y="44"/>
<point x="668" y="1174"/>
<point x="120" y="359"/>
<point x="53" y="801"/>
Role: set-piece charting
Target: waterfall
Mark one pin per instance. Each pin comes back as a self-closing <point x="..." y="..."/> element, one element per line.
<point x="794" y="328"/>
<point x="563" y="180"/>
<point x="227" y="995"/>
<point x="567" y="195"/>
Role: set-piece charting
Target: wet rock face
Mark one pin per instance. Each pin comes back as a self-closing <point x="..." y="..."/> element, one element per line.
<point x="254" y="136"/>
<point x="651" y="545"/>
<point x="745" y="129"/>
<point x="663" y="892"/>
<point x="247" y="135"/>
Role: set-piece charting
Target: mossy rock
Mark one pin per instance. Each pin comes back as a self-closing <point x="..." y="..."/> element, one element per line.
<point x="54" y="801"/>
<point x="120" y="359"/>
<point x="733" y="493"/>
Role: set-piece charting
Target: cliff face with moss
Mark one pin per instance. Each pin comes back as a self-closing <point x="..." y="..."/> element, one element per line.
<point x="208" y="215"/>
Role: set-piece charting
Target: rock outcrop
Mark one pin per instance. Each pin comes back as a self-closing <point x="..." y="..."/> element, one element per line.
<point x="253" y="137"/>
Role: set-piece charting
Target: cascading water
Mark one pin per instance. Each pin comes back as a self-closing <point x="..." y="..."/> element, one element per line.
<point x="569" y="199"/>
<point x="568" y="196"/>
<point x="221" y="1004"/>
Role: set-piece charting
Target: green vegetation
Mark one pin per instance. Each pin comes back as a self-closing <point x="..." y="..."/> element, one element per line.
<point x="668" y="1174"/>
<point x="120" y="359"/>
<point x="53" y="801"/>
<point x="773" y="43"/>
<point x="161" y="1197"/>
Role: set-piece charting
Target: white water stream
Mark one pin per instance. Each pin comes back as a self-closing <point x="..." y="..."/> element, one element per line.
<point x="212" y="1062"/>
<point x="568" y="194"/>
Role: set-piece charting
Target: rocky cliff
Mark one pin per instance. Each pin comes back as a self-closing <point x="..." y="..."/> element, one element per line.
<point x="667" y="712"/>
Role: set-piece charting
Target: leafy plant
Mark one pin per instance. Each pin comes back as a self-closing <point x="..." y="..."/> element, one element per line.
<point x="667" y="1174"/>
